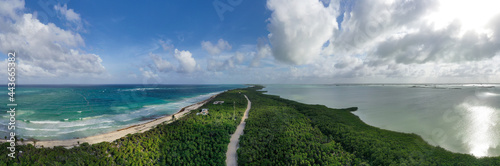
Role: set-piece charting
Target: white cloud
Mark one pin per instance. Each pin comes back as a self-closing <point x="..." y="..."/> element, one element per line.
<point x="405" y="32"/>
<point x="73" y="19"/>
<point x="229" y="63"/>
<point x="161" y="64"/>
<point x="416" y="39"/>
<point x="10" y="8"/>
<point x="300" y="28"/>
<point x="45" y="49"/>
<point x="215" y="49"/>
<point x="166" y="44"/>
<point x="263" y="51"/>
<point x="69" y="14"/>
<point x="370" y="22"/>
<point x="148" y="74"/>
<point x="187" y="64"/>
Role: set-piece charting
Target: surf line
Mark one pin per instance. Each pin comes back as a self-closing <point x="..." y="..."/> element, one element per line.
<point x="11" y="86"/>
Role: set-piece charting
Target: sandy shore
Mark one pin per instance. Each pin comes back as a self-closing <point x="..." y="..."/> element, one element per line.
<point x="114" y="135"/>
<point x="232" y="147"/>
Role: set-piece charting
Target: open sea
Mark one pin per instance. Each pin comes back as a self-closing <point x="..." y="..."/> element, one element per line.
<point x="57" y="112"/>
<point x="461" y="118"/>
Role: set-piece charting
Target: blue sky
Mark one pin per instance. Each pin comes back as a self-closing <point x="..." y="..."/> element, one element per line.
<point x="260" y="41"/>
<point x="121" y="33"/>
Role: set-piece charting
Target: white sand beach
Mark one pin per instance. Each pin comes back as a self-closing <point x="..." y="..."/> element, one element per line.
<point x="114" y="135"/>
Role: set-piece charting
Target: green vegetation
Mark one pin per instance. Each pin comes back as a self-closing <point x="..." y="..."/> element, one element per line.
<point x="191" y="140"/>
<point x="278" y="132"/>
<point x="284" y="132"/>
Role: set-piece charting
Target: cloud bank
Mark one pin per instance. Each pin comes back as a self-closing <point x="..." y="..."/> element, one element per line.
<point x="299" y="29"/>
<point x="215" y="49"/>
<point x="386" y="39"/>
<point x="44" y="50"/>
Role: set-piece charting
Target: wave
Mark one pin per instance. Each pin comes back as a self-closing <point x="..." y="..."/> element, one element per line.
<point x="88" y="126"/>
<point x="33" y="129"/>
<point x="45" y="122"/>
<point x="92" y="117"/>
<point x="138" y="89"/>
<point x="85" y="123"/>
<point x="3" y="130"/>
<point x="37" y="136"/>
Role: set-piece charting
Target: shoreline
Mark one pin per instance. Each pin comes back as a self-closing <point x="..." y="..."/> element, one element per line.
<point x="117" y="134"/>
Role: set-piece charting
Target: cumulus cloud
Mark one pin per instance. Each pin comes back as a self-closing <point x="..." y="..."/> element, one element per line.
<point x="429" y="45"/>
<point x="187" y="64"/>
<point x="73" y="19"/>
<point x="376" y="38"/>
<point x="369" y="22"/>
<point x="148" y="74"/>
<point x="69" y="14"/>
<point x="161" y="64"/>
<point x="299" y="28"/>
<point x="10" y="9"/>
<point x="400" y="31"/>
<point x="229" y="63"/>
<point x="215" y="49"/>
<point x="263" y="51"/>
<point x="180" y="61"/>
<point x="44" y="49"/>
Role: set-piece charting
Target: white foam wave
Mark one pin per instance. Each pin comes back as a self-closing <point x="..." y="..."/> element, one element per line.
<point x="33" y="129"/>
<point x="45" y="122"/>
<point x="85" y="123"/>
<point x="37" y="136"/>
<point x="104" y="123"/>
<point x="138" y="89"/>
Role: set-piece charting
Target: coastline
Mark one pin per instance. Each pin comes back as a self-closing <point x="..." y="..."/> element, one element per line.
<point x="117" y="134"/>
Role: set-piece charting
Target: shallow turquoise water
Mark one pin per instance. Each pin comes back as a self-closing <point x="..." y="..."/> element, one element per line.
<point x="65" y="112"/>
<point x="460" y="118"/>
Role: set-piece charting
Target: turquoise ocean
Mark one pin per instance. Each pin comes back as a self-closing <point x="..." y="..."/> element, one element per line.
<point x="58" y="112"/>
<point x="463" y="118"/>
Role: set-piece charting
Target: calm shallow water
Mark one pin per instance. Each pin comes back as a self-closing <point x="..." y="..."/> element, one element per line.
<point x="64" y="112"/>
<point x="459" y="118"/>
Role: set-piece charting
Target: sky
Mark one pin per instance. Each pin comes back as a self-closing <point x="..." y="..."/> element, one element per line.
<point x="252" y="42"/>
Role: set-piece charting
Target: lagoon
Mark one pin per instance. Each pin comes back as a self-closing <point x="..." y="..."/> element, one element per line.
<point x="458" y="117"/>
